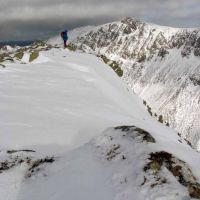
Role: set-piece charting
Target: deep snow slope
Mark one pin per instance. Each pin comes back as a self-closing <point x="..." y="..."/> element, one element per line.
<point x="60" y="99"/>
<point x="161" y="64"/>
<point x="71" y="129"/>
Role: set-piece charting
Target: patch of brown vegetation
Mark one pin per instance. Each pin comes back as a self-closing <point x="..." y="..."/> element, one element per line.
<point x="137" y="132"/>
<point x="15" y="160"/>
<point x="113" y="152"/>
<point x="177" y="167"/>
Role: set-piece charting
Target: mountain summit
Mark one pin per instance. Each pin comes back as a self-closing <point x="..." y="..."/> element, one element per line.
<point x="160" y="64"/>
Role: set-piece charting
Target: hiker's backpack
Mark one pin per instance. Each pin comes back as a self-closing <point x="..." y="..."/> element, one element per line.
<point x="64" y="35"/>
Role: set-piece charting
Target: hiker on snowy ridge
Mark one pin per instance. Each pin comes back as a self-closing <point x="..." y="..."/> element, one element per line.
<point x="64" y="37"/>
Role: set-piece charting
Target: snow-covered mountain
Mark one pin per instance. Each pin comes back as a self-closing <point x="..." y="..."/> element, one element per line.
<point x="71" y="129"/>
<point x="161" y="64"/>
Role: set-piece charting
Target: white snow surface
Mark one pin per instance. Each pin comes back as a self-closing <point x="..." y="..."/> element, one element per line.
<point x="63" y="104"/>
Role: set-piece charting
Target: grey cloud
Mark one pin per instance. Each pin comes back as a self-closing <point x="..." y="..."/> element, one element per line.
<point x="38" y="19"/>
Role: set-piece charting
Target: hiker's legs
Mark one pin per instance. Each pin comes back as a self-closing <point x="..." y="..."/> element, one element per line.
<point x="65" y="44"/>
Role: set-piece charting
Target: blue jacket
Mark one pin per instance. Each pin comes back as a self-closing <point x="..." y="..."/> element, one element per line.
<point x="64" y="35"/>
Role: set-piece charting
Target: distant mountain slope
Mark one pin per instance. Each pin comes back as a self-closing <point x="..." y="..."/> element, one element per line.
<point x="161" y="64"/>
<point x="16" y="43"/>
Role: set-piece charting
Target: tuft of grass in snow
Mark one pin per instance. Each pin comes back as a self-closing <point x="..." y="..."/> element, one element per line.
<point x="72" y="47"/>
<point x="4" y="57"/>
<point x="19" y="55"/>
<point x="22" y="150"/>
<point x="135" y="132"/>
<point x="113" y="152"/>
<point x="144" y="102"/>
<point x="113" y="64"/>
<point x="149" y="110"/>
<point x="116" y="68"/>
<point x="1" y="58"/>
<point x="18" y="157"/>
<point x="2" y="65"/>
<point x="194" y="190"/>
<point x="177" y="167"/>
<point x="160" y="117"/>
<point x="34" y="165"/>
<point x="34" y="55"/>
<point x="155" y="167"/>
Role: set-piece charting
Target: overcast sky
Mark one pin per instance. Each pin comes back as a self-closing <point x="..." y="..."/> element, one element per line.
<point x="37" y="19"/>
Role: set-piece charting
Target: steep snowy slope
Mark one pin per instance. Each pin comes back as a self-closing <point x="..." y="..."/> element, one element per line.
<point x="161" y="64"/>
<point x="54" y="111"/>
<point x="60" y="95"/>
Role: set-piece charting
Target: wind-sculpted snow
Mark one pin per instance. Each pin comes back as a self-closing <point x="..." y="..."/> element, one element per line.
<point x="71" y="129"/>
<point x="161" y="64"/>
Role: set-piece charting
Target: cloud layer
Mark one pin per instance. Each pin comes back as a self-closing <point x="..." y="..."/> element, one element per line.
<point x="37" y="19"/>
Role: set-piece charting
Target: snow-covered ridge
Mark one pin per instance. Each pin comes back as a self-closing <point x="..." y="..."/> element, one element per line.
<point x="70" y="128"/>
<point x="161" y="64"/>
